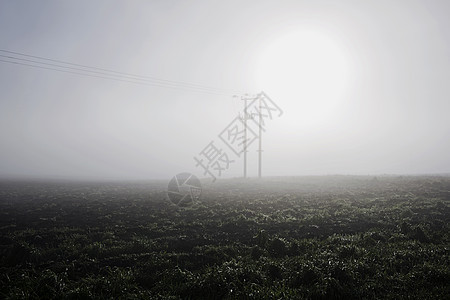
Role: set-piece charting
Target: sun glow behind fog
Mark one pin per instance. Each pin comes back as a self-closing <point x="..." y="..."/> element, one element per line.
<point x="308" y="73"/>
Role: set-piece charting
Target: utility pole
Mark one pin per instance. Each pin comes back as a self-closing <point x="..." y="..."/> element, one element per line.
<point x="247" y="116"/>
<point x="260" y="136"/>
<point x="257" y="103"/>
<point x="245" y="137"/>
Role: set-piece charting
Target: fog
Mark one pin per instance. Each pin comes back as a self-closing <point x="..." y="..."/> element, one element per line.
<point x="363" y="86"/>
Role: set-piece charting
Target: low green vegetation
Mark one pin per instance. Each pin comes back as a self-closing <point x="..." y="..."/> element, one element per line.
<point x="332" y="237"/>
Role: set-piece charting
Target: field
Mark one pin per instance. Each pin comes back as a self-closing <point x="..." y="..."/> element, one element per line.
<point x="328" y="237"/>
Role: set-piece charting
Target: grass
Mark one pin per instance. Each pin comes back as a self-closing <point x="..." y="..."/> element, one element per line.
<point x="331" y="237"/>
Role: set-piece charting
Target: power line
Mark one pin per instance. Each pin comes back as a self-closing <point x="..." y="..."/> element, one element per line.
<point x="50" y="66"/>
<point x="113" y="78"/>
<point x="90" y="71"/>
<point x="134" y="76"/>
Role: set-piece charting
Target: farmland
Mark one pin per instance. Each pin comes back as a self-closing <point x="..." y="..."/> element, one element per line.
<point x="338" y="237"/>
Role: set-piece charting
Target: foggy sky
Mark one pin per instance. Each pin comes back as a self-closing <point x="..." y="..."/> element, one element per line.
<point x="391" y="117"/>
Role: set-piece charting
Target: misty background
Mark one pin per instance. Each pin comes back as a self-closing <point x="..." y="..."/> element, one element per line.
<point x="364" y="86"/>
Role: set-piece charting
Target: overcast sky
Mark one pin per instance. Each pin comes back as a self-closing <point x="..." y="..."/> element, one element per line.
<point x="364" y="86"/>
